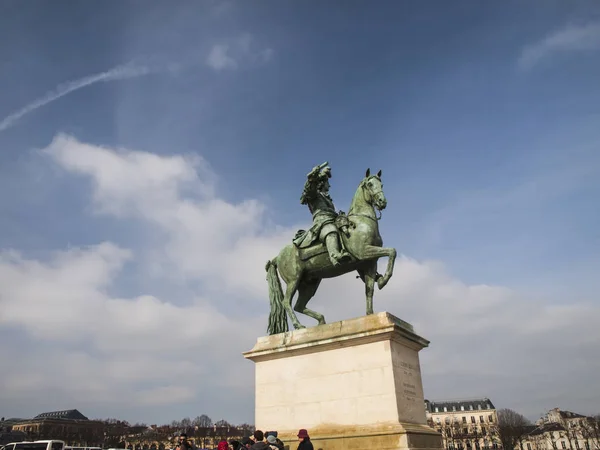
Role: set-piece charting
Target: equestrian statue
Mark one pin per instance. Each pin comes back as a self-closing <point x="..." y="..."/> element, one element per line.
<point x="336" y="243"/>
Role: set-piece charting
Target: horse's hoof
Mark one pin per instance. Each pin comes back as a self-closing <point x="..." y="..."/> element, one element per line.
<point x="381" y="283"/>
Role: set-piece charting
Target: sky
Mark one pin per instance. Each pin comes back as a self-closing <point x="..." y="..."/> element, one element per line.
<point x="152" y="156"/>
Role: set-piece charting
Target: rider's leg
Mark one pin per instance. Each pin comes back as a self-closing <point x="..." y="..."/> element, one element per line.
<point x="336" y="255"/>
<point x="329" y="236"/>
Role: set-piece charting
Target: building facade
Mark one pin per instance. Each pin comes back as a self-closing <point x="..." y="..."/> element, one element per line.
<point x="563" y="430"/>
<point x="465" y="424"/>
<point x="7" y="434"/>
<point x="68" y="425"/>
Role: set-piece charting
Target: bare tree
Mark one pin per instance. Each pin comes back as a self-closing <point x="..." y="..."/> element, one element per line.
<point x="186" y="424"/>
<point x="202" y="421"/>
<point x="453" y="433"/>
<point x="512" y="428"/>
<point x="222" y="424"/>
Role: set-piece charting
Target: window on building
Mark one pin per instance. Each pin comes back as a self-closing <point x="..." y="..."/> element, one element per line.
<point x="528" y="446"/>
<point x="495" y="446"/>
<point x="587" y="445"/>
<point x="577" y="445"/>
<point x="564" y="446"/>
<point x="491" y="418"/>
<point x="462" y="407"/>
<point x="453" y="407"/>
<point x="477" y="446"/>
<point x="471" y="407"/>
<point x="468" y="444"/>
<point x="464" y="419"/>
<point x="481" y="419"/>
<point x="483" y="431"/>
<point x="465" y="430"/>
<point x="473" y="419"/>
<point x="445" y="409"/>
<point x="478" y="406"/>
<point x="437" y="409"/>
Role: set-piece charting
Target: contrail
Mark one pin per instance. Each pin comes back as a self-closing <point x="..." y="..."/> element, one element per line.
<point x="116" y="73"/>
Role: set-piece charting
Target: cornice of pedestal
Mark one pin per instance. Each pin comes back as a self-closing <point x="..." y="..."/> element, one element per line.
<point x="346" y="333"/>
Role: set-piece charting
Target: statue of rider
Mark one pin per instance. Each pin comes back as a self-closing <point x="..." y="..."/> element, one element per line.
<point x="316" y="196"/>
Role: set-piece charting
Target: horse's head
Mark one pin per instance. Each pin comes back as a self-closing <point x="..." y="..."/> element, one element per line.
<point x="373" y="188"/>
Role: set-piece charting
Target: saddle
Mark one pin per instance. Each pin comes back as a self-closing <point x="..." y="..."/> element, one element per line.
<point x="342" y="223"/>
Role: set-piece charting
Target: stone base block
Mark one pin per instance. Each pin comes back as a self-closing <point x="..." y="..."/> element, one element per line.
<point x="354" y="384"/>
<point x="400" y="436"/>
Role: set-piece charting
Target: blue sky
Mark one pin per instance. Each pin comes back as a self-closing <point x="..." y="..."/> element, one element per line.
<point x="484" y="118"/>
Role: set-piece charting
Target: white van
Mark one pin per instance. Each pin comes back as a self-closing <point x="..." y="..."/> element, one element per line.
<point x="82" y="448"/>
<point x="40" y="445"/>
<point x="9" y="446"/>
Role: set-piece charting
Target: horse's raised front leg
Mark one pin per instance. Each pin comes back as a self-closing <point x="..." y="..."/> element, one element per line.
<point x="306" y="291"/>
<point x="291" y="289"/>
<point x="368" y="276"/>
<point x="374" y="252"/>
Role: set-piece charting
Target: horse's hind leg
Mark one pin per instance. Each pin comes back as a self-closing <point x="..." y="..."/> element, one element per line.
<point x="291" y="289"/>
<point x="306" y="291"/>
<point x="369" y="274"/>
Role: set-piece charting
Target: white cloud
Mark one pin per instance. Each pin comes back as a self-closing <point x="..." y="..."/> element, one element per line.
<point x="234" y="52"/>
<point x="64" y="303"/>
<point x="574" y="37"/>
<point x="105" y="352"/>
<point x="219" y="59"/>
<point x="206" y="236"/>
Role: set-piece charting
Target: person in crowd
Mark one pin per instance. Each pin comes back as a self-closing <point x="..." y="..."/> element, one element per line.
<point x="236" y="445"/>
<point x="222" y="445"/>
<point x="304" y="439"/>
<point x="272" y="442"/>
<point x="184" y="444"/>
<point x="259" y="444"/>
<point x="278" y="442"/>
<point x="247" y="442"/>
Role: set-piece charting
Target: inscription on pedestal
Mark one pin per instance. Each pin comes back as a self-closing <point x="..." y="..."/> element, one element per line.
<point x="410" y="389"/>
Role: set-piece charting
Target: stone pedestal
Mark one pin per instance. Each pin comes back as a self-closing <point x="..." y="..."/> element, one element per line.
<point x="354" y="384"/>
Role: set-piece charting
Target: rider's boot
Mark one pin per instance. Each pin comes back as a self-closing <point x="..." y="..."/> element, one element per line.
<point x="336" y="255"/>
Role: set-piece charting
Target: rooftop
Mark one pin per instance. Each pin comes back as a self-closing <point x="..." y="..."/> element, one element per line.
<point x="69" y="414"/>
<point x="570" y="415"/>
<point x="477" y="404"/>
<point x="546" y="428"/>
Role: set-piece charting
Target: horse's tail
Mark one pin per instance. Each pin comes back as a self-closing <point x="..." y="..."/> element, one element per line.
<point x="277" y="318"/>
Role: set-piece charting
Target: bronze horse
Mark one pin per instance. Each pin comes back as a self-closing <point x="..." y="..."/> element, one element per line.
<point x="303" y="273"/>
